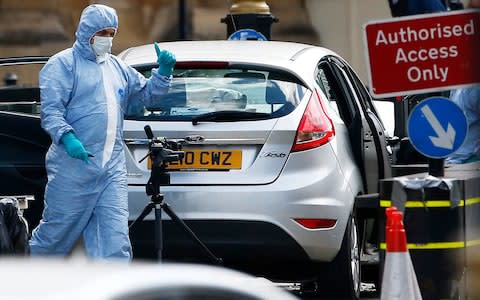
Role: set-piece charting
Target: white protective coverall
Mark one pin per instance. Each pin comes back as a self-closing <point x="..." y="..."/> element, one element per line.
<point x="89" y="96"/>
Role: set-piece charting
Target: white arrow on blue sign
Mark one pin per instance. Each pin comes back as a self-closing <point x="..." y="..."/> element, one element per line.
<point x="437" y="127"/>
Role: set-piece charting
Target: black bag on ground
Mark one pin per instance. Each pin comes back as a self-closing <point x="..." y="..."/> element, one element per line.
<point x="13" y="229"/>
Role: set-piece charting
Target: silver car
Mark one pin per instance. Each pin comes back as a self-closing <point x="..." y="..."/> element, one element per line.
<point x="278" y="139"/>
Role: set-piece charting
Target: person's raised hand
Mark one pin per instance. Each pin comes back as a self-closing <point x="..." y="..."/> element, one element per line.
<point x="166" y="61"/>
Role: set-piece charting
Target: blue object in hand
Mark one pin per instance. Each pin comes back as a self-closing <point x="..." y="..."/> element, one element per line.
<point x="166" y="61"/>
<point x="74" y="147"/>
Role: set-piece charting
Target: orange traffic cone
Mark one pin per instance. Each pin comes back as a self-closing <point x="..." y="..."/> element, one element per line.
<point x="399" y="281"/>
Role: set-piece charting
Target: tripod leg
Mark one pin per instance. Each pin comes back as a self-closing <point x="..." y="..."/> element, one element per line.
<point x="144" y="213"/>
<point x="158" y="231"/>
<point x="155" y="203"/>
<point x="187" y="229"/>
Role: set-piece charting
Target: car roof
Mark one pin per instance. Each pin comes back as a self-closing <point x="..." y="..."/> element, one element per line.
<point x="277" y="54"/>
<point x="58" y="278"/>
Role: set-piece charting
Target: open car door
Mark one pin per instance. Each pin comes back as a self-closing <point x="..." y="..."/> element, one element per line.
<point x="366" y="131"/>
<point x="369" y="144"/>
<point x="23" y="143"/>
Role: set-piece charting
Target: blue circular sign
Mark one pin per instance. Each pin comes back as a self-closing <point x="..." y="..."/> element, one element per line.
<point x="437" y="127"/>
<point x="247" y="34"/>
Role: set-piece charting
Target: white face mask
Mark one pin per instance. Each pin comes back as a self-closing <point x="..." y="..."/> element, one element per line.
<point x="102" y="45"/>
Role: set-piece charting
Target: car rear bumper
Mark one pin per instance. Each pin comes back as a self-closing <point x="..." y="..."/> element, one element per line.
<point x="261" y="218"/>
<point x="232" y="240"/>
<point x="310" y="186"/>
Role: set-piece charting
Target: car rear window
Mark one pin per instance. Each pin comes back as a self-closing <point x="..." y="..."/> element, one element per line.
<point x="198" y="91"/>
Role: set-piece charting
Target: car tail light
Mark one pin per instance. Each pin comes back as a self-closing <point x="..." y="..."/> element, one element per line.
<point x="315" y="128"/>
<point x="316" y="223"/>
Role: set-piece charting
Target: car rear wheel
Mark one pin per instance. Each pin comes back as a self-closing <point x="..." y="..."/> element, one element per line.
<point x="342" y="277"/>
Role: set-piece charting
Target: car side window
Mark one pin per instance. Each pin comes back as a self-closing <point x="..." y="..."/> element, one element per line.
<point x="360" y="89"/>
<point x="324" y="85"/>
<point x="19" y="91"/>
<point x="366" y="101"/>
<point x="333" y="87"/>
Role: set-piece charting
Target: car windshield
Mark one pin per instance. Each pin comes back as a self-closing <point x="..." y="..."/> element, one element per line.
<point x="224" y="94"/>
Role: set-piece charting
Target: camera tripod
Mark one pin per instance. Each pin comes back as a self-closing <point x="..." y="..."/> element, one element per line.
<point x="159" y="153"/>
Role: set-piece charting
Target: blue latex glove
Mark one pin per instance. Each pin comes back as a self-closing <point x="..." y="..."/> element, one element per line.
<point x="74" y="147"/>
<point x="166" y="61"/>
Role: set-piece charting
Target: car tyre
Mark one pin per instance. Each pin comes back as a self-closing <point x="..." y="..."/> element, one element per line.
<point x="343" y="276"/>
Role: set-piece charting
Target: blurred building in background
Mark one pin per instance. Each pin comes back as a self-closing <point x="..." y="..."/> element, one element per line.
<point x="32" y="27"/>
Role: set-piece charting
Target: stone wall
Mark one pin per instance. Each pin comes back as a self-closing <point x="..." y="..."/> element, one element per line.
<point x="33" y="27"/>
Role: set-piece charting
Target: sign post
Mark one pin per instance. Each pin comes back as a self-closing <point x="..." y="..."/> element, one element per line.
<point x="423" y="53"/>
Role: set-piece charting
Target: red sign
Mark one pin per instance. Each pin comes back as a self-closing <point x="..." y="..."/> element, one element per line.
<point x="423" y="53"/>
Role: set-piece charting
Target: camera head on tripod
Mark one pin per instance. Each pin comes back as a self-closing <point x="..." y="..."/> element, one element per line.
<point x="161" y="151"/>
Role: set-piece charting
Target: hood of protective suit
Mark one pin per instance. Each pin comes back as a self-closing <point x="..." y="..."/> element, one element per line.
<point x="94" y="18"/>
